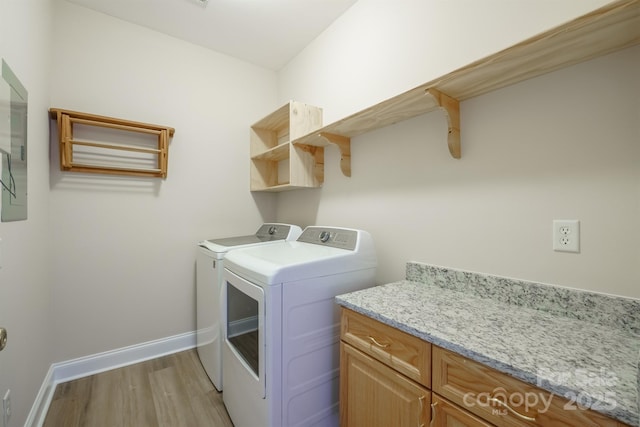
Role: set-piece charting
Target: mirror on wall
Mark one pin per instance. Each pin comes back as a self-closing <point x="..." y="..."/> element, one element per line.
<point x="13" y="146"/>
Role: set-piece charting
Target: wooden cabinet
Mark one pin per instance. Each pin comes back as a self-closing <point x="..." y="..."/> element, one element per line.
<point x="373" y="391"/>
<point x="502" y="399"/>
<point x="391" y="378"/>
<point x="276" y="164"/>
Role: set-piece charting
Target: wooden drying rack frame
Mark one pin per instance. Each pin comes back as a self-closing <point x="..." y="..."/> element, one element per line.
<point x="66" y="119"/>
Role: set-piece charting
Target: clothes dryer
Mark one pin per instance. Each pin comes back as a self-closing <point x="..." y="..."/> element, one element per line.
<point x="209" y="268"/>
<point x="282" y="326"/>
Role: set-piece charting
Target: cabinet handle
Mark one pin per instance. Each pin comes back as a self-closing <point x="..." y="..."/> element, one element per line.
<point x="421" y="400"/>
<point x="510" y="409"/>
<point x="433" y="414"/>
<point x="377" y="343"/>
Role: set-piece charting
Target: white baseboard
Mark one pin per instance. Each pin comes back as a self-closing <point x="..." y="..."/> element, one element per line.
<point x="242" y="326"/>
<point x="43" y="399"/>
<point x="93" y="364"/>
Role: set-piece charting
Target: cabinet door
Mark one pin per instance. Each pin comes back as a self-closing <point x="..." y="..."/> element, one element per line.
<point x="446" y="414"/>
<point x="374" y="395"/>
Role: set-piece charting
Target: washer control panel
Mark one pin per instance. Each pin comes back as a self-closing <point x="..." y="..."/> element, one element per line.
<point x="273" y="231"/>
<point x="342" y="238"/>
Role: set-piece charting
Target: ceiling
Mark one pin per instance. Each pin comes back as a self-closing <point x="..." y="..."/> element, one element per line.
<point x="268" y="33"/>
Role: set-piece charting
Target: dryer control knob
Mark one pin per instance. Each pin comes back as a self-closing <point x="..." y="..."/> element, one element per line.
<point x="272" y="229"/>
<point x="324" y="236"/>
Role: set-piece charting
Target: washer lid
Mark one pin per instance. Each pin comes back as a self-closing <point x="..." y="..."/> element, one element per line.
<point x="288" y="261"/>
<point x="268" y="232"/>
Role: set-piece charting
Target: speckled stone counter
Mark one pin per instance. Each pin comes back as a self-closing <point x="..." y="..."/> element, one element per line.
<point x="579" y="345"/>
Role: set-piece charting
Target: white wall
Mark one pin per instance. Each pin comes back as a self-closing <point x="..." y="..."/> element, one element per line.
<point x="124" y="258"/>
<point x="24" y="275"/>
<point x="561" y="146"/>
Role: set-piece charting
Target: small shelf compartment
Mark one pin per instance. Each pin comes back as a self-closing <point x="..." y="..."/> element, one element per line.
<point x="133" y="148"/>
<point x="277" y="165"/>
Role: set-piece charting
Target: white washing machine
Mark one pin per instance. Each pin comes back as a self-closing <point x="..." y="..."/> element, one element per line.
<point x="209" y="268"/>
<point x="282" y="326"/>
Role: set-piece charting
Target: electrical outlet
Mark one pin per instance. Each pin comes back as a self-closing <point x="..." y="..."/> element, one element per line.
<point x="6" y="408"/>
<point x="566" y="235"/>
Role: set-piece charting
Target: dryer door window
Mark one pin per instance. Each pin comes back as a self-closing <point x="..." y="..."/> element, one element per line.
<point x="244" y="310"/>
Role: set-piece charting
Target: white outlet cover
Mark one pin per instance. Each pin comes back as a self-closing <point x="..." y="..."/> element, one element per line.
<point x="566" y="235"/>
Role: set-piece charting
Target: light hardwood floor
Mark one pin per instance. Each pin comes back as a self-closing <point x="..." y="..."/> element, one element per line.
<point x="171" y="391"/>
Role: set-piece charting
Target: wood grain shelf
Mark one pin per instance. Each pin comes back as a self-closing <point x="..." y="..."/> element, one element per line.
<point x="275" y="154"/>
<point x="147" y="158"/>
<point x="613" y="27"/>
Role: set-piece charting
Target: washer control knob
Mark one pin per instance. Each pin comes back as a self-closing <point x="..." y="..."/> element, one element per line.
<point x="272" y="229"/>
<point x="324" y="236"/>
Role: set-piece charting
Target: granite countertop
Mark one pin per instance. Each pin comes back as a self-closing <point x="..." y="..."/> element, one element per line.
<point x="592" y="363"/>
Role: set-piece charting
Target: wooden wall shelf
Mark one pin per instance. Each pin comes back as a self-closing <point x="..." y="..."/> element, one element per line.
<point x="613" y="27"/>
<point x="146" y="154"/>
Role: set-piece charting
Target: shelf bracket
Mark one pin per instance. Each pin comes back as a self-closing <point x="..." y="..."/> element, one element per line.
<point x="451" y="107"/>
<point x="344" y="145"/>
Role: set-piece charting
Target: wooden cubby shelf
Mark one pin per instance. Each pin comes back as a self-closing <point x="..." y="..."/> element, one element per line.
<point x="145" y="154"/>
<point x="613" y="27"/>
<point x="277" y="165"/>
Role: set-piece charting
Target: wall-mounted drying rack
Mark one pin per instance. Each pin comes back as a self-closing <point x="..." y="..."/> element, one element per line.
<point x="134" y="148"/>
